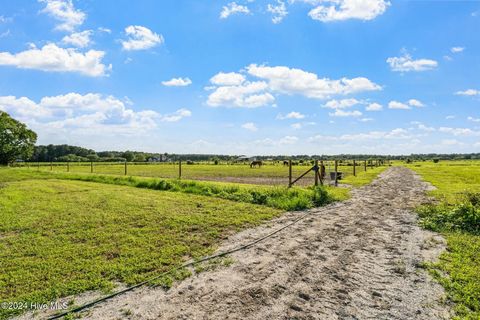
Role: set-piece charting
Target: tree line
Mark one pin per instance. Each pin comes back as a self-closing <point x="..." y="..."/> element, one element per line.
<point x="17" y="143"/>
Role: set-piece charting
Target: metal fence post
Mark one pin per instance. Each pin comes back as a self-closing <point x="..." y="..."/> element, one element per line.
<point x="180" y="169"/>
<point x="68" y="166"/>
<point x="354" y="168"/>
<point x="91" y="166"/>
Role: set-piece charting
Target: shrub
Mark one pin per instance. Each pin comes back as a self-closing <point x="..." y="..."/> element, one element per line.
<point x="460" y="217"/>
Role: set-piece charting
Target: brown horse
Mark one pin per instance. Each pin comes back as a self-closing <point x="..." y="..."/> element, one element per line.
<point x="255" y="163"/>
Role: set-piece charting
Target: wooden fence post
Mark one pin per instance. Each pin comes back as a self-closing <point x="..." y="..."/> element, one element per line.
<point x="125" y="167"/>
<point x="365" y="165"/>
<point x="322" y="172"/>
<point x="316" y="173"/>
<point x="354" y="168"/>
<point x="289" y="173"/>
<point x="91" y="166"/>
<point x="68" y="166"/>
<point x="180" y="169"/>
<point x="38" y="166"/>
<point x="336" y="173"/>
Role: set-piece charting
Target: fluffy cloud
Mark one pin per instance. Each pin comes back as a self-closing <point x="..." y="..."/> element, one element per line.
<point x="415" y="103"/>
<point x="291" y="115"/>
<point x="468" y="92"/>
<point x="339" y="10"/>
<point x="177" y="82"/>
<point x="79" y="39"/>
<point x="227" y="79"/>
<point x="397" y="105"/>
<point x="406" y="63"/>
<point x="405" y="106"/>
<point x="56" y="59"/>
<point x="78" y="112"/>
<point x="233" y="8"/>
<point x="341" y="104"/>
<point x="250" y="126"/>
<point x="278" y="11"/>
<point x="473" y="119"/>
<point x="232" y="89"/>
<point x="141" y="38"/>
<point x="90" y="114"/>
<point x="374" y="107"/>
<point x="342" y="113"/>
<point x="296" y="81"/>
<point x="65" y="13"/>
<point x="248" y="94"/>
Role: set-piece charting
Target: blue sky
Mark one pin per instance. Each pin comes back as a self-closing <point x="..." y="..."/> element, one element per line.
<point x="245" y="77"/>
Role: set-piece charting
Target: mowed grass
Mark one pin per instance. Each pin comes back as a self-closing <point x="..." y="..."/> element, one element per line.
<point x="280" y="197"/>
<point x="457" y="217"/>
<point x="363" y="177"/>
<point x="60" y="237"/>
<point x="63" y="234"/>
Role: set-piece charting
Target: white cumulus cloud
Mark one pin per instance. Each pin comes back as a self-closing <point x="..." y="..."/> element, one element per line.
<point x="227" y="79"/>
<point x="55" y="59"/>
<point x="341" y="104"/>
<point x="233" y="8"/>
<point x="291" y="115"/>
<point x="339" y="10"/>
<point x="468" y="92"/>
<point x="141" y="38"/>
<point x="65" y="12"/>
<point x="278" y="11"/>
<point x="406" y="63"/>
<point x="79" y="39"/>
<point x="177" y="82"/>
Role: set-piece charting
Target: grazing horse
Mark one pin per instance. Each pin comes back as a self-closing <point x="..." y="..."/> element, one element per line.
<point x="255" y="163"/>
<point x="285" y="162"/>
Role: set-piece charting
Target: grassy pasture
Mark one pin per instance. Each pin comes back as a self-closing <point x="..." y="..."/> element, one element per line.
<point x="272" y="173"/>
<point x="457" y="217"/>
<point x="64" y="233"/>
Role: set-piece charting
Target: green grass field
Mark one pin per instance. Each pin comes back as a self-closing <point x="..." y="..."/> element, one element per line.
<point x="63" y="233"/>
<point x="196" y="171"/>
<point x="457" y="217"/>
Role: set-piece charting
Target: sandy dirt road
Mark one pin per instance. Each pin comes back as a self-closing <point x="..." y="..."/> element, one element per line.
<point x="358" y="259"/>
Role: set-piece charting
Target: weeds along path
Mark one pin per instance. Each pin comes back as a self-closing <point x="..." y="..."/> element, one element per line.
<point x="357" y="260"/>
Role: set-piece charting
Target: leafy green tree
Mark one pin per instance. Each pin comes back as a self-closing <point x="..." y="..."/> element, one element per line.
<point x="16" y="140"/>
<point x="129" y="155"/>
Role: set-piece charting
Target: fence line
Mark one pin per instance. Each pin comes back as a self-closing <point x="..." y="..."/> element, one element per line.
<point x="319" y="169"/>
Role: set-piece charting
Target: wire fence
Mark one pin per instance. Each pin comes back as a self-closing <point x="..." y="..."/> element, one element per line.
<point x="257" y="172"/>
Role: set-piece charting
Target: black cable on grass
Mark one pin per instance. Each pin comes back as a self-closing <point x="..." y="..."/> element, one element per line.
<point x="187" y="264"/>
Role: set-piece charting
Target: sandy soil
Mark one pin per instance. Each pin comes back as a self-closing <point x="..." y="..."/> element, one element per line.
<point x="358" y="259"/>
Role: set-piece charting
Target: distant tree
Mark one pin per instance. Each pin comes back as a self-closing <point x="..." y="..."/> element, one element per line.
<point x="140" y="157"/>
<point x="16" y="140"/>
<point x="128" y="155"/>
